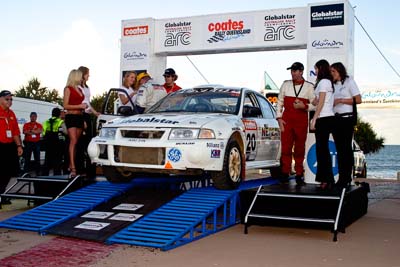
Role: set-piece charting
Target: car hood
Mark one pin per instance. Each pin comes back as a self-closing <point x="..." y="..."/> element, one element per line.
<point x="181" y="120"/>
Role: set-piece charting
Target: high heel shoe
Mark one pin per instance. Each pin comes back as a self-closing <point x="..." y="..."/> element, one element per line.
<point x="72" y="173"/>
<point x="326" y="186"/>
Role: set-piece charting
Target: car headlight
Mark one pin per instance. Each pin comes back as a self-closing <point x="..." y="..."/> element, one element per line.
<point x="191" y="134"/>
<point x="108" y="133"/>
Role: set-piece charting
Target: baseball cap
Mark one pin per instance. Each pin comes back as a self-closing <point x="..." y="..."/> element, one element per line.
<point x="169" y="71"/>
<point x="296" y="66"/>
<point x="5" y="93"/>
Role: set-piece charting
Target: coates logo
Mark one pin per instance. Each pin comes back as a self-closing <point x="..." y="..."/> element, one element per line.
<point x="137" y="30"/>
<point x="227" y="30"/>
<point x="326" y="44"/>
<point x="278" y="27"/>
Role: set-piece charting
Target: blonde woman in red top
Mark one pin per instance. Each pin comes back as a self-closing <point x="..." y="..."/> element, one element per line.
<point x="73" y="103"/>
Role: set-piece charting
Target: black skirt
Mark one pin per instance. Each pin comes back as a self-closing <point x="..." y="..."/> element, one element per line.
<point x="9" y="162"/>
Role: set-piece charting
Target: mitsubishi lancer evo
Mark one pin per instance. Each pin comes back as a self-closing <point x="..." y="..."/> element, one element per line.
<point x="208" y="131"/>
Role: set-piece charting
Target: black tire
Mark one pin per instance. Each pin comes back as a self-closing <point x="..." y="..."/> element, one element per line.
<point x="114" y="175"/>
<point x="231" y="175"/>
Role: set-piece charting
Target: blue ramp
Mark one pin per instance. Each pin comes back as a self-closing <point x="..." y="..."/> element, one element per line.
<point x="45" y="216"/>
<point x="193" y="215"/>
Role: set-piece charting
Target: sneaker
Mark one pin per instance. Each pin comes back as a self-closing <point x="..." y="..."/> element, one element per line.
<point x="300" y="180"/>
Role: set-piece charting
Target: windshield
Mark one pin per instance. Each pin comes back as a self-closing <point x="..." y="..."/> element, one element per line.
<point x="200" y="100"/>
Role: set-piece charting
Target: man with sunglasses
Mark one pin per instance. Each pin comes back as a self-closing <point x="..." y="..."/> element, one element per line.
<point x="10" y="142"/>
<point x="170" y="78"/>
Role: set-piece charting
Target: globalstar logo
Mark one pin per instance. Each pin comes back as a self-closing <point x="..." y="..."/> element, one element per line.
<point x="327" y="15"/>
<point x="137" y="30"/>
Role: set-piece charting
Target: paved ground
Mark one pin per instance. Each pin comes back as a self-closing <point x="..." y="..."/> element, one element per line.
<point x="371" y="241"/>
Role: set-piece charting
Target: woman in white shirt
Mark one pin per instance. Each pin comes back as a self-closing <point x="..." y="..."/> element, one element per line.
<point x="323" y="122"/>
<point x="85" y="165"/>
<point x="128" y="85"/>
<point x="346" y="91"/>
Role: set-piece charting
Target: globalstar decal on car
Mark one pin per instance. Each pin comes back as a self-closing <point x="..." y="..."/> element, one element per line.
<point x="153" y="120"/>
<point x="174" y="155"/>
<point x="137" y="140"/>
<point x="215" y="153"/>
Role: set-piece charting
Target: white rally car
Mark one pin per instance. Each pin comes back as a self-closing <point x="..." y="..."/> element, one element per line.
<point x="216" y="131"/>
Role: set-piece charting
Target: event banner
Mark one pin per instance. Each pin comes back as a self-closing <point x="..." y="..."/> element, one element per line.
<point x="283" y="28"/>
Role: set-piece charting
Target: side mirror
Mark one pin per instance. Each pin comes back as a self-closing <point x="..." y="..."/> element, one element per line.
<point x="125" y="111"/>
<point x="251" y="112"/>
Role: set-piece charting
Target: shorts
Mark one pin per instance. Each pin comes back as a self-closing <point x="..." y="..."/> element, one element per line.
<point x="74" y="121"/>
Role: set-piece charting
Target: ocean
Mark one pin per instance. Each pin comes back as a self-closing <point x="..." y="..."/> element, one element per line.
<point x="385" y="163"/>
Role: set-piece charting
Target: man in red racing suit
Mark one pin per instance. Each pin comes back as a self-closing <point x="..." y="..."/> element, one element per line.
<point x="294" y="101"/>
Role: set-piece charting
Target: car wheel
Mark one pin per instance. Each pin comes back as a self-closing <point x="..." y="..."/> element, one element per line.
<point x="364" y="172"/>
<point x="114" y="175"/>
<point x="231" y="175"/>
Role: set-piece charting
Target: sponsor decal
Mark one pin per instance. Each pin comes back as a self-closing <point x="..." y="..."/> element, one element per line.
<point x="327" y="44"/>
<point x="168" y="165"/>
<point x="212" y="145"/>
<point x="327" y="15"/>
<point x="279" y="27"/>
<point x="136" y="30"/>
<point x="177" y="33"/>
<point x="129" y="217"/>
<point x="128" y="206"/>
<point x="215" y="153"/>
<point x="269" y="133"/>
<point x="97" y="214"/>
<point x="250" y="125"/>
<point x="100" y="141"/>
<point x="312" y="158"/>
<point x="133" y="55"/>
<point x="152" y="120"/>
<point x="137" y="140"/>
<point x="96" y="226"/>
<point x="184" y="143"/>
<point x="229" y="30"/>
<point x="174" y="155"/>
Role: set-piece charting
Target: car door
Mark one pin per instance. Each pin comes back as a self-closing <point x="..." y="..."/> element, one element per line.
<point x="268" y="131"/>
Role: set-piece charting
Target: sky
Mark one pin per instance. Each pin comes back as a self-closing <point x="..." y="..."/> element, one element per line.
<point x="46" y="39"/>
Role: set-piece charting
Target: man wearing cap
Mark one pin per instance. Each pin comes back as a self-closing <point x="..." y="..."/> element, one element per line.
<point x="170" y="78"/>
<point x="149" y="93"/>
<point x="10" y="141"/>
<point x="294" y="100"/>
<point x="32" y="131"/>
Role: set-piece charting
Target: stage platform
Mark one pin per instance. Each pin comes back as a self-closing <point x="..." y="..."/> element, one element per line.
<point x="303" y="206"/>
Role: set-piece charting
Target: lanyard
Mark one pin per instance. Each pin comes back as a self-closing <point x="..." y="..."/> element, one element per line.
<point x="294" y="88"/>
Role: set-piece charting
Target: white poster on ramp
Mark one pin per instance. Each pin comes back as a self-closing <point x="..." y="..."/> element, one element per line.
<point x="89" y="225"/>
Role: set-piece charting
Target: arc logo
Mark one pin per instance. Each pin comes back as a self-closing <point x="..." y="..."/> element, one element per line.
<point x="280" y="32"/>
<point x="174" y="39"/>
<point x="312" y="158"/>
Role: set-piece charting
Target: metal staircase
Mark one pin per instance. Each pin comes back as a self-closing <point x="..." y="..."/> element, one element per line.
<point x="285" y="199"/>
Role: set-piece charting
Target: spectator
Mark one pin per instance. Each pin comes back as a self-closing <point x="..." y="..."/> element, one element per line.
<point x="128" y="85"/>
<point x="10" y="142"/>
<point x="346" y="90"/>
<point x="54" y="130"/>
<point x="170" y="78"/>
<point x="323" y="123"/>
<point x="32" y="131"/>
<point x="148" y="93"/>
<point x="73" y="103"/>
<point x="293" y="104"/>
